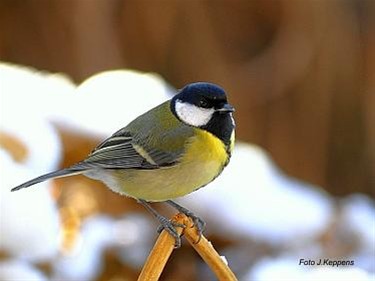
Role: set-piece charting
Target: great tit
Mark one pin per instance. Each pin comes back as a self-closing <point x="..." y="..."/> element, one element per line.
<point x="174" y="149"/>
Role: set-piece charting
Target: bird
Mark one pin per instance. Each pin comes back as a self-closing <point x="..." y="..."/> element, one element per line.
<point x="170" y="151"/>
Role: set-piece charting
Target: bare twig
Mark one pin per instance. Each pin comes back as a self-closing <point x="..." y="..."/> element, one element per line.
<point x="164" y="246"/>
<point x="159" y="255"/>
<point x="205" y="249"/>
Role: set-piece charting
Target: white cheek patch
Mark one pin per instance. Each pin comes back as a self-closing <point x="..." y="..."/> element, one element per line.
<point x="192" y="114"/>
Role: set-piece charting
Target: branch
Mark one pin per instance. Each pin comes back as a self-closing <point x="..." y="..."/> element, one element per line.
<point x="164" y="246"/>
<point x="205" y="249"/>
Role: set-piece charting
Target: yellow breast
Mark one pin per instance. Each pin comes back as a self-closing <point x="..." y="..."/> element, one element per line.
<point x="204" y="159"/>
<point x="206" y="148"/>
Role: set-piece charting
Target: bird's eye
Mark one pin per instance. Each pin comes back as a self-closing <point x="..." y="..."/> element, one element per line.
<point x="203" y="103"/>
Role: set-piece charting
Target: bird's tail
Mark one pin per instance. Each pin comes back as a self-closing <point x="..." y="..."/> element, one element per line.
<point x="56" y="174"/>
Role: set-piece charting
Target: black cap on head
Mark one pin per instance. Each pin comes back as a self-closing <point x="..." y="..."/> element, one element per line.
<point x="203" y="94"/>
<point x="209" y="90"/>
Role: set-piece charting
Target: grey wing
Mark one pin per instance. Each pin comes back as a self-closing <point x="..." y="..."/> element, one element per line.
<point x="123" y="151"/>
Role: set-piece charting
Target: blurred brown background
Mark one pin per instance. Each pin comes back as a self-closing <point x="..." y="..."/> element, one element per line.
<point x="300" y="73"/>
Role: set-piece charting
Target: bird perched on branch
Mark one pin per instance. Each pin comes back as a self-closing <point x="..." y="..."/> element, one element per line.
<point x="170" y="151"/>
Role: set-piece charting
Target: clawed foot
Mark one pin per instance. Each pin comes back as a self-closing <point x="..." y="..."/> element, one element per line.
<point x="199" y="224"/>
<point x="166" y="224"/>
<point x="170" y="227"/>
<point x="197" y="221"/>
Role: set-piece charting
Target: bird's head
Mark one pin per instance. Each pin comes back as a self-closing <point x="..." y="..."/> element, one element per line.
<point x="198" y="104"/>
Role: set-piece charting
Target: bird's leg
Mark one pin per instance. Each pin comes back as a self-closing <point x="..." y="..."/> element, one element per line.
<point x="165" y="223"/>
<point x="198" y="222"/>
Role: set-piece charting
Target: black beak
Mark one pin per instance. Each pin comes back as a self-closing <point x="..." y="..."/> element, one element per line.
<point x="226" y="108"/>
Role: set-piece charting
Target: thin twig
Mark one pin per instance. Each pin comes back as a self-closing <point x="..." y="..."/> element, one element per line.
<point x="164" y="246"/>
<point x="205" y="249"/>
<point x="160" y="254"/>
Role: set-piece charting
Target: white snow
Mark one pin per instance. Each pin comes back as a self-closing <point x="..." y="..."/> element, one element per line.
<point x="28" y="92"/>
<point x="39" y="137"/>
<point x="16" y="270"/>
<point x="132" y="235"/>
<point x="101" y="105"/>
<point x="84" y="261"/>
<point x="358" y="212"/>
<point x="29" y="223"/>
<point x="108" y="101"/>
<point x="358" y="216"/>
